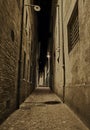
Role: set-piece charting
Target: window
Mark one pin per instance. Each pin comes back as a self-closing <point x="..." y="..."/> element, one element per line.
<point x="26" y="22"/>
<point x="73" y="29"/>
<point x="24" y="64"/>
<point x="12" y="35"/>
<point x="26" y="18"/>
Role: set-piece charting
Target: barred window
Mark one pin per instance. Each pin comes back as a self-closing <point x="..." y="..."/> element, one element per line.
<point x="73" y="29"/>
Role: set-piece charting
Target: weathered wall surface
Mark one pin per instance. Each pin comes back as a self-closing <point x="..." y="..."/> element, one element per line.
<point x="29" y="52"/>
<point x="9" y="50"/>
<point x="77" y="62"/>
<point x="57" y="60"/>
<point x="10" y="34"/>
<point x="26" y="51"/>
<point x="78" y="83"/>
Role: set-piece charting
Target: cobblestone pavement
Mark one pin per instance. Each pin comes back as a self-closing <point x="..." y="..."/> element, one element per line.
<point x="43" y="110"/>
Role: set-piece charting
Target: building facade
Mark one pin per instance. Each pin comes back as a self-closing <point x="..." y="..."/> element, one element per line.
<point x="71" y="54"/>
<point x="17" y="50"/>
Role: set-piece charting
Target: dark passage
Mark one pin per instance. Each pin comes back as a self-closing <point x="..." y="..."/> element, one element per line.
<point x="43" y="30"/>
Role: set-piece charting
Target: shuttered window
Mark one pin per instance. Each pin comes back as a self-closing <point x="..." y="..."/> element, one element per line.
<point x="73" y="29"/>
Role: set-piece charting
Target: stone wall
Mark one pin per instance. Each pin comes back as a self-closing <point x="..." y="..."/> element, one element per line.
<point x="77" y="62"/>
<point x="77" y="73"/>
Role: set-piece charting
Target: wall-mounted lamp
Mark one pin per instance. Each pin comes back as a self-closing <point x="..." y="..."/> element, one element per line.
<point x="48" y="56"/>
<point x="36" y="7"/>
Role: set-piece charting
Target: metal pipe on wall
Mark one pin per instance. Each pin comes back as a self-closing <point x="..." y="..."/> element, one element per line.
<point x="58" y="14"/>
<point x="20" y="57"/>
<point x="64" y="76"/>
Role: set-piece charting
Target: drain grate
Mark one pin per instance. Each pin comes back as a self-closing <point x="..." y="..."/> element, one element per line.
<point x="52" y="102"/>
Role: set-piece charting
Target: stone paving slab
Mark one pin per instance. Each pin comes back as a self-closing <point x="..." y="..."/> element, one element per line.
<point x="43" y="110"/>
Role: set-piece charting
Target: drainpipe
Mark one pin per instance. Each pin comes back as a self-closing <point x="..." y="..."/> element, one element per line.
<point x="58" y="9"/>
<point x="20" y="57"/>
<point x="64" y="76"/>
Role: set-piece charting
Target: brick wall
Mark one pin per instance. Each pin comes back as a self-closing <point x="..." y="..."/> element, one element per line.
<point x="9" y="48"/>
<point x="10" y="33"/>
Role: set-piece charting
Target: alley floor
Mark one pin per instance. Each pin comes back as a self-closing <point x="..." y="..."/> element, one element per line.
<point x="43" y="110"/>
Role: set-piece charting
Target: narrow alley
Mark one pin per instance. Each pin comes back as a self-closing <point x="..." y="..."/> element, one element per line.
<point x="43" y="110"/>
<point x="44" y="64"/>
